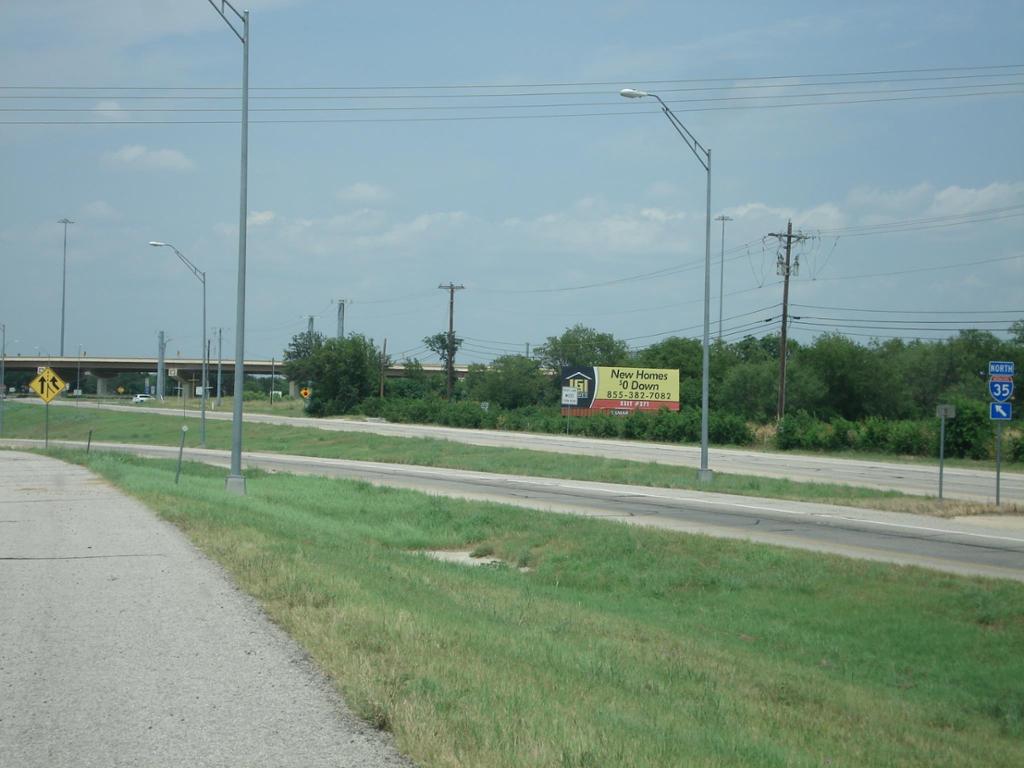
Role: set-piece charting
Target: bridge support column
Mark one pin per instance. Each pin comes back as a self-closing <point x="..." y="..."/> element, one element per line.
<point x="293" y="389"/>
<point x="102" y="388"/>
<point x="185" y="381"/>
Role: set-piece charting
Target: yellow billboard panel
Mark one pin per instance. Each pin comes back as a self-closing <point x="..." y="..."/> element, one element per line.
<point x="623" y="389"/>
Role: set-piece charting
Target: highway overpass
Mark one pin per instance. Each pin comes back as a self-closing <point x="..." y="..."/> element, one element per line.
<point x="183" y="369"/>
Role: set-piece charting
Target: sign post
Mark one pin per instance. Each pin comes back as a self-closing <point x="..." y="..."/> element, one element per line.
<point x="570" y="399"/>
<point x="1000" y="387"/>
<point x="943" y="412"/>
<point x="47" y="385"/>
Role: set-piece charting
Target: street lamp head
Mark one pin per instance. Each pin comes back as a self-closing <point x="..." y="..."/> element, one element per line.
<point x="632" y="93"/>
<point x="156" y="243"/>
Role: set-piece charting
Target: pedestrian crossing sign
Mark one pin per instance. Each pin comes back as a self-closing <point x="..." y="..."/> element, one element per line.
<point x="47" y="385"/>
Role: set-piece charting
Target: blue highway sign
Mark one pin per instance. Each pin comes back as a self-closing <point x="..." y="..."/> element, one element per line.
<point x="1001" y="390"/>
<point x="1000" y="411"/>
<point x="1000" y="368"/>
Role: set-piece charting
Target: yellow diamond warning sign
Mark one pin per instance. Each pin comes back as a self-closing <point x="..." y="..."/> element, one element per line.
<point x="47" y="385"/>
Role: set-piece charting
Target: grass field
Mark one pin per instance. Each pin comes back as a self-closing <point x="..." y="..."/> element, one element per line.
<point x="619" y="646"/>
<point x="70" y="423"/>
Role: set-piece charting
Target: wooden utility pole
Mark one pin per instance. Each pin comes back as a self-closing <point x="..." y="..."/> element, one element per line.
<point x="383" y="364"/>
<point x="451" y="288"/>
<point x="785" y="267"/>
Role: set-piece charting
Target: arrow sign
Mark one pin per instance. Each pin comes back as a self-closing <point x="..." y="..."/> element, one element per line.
<point x="47" y="385"/>
<point x="1001" y="388"/>
<point x="1000" y="411"/>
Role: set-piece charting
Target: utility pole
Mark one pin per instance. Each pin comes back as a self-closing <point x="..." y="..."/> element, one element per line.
<point x="64" y="281"/>
<point x="341" y="317"/>
<point x="310" y="328"/>
<point x="383" y="363"/>
<point x="451" y="288"/>
<point x="160" y="365"/>
<point x="3" y="373"/>
<point x="527" y="349"/>
<point x="785" y="268"/>
<point x="220" y="363"/>
<point x="721" y="274"/>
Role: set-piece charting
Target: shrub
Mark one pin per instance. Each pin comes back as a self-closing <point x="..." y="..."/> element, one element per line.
<point x="913" y="438"/>
<point x="969" y="435"/>
<point x="844" y="434"/>
<point x="728" y="428"/>
<point x="801" y="431"/>
<point x="1016" y="449"/>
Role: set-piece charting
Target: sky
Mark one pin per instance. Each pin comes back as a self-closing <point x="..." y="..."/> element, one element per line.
<point x="398" y="146"/>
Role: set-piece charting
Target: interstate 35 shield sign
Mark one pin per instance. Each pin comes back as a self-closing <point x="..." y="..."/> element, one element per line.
<point x="1001" y="388"/>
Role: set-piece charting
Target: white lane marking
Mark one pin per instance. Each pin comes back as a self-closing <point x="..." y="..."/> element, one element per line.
<point x="548" y="482"/>
<point x="805" y="513"/>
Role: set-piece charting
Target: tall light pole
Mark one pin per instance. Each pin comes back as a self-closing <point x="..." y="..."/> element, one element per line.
<point x="64" y="281"/>
<point x="201" y="277"/>
<point x="721" y="274"/>
<point x="703" y="156"/>
<point x="3" y="373"/>
<point x="235" y="481"/>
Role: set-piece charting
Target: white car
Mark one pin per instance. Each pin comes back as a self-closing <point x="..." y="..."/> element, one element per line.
<point x="141" y="398"/>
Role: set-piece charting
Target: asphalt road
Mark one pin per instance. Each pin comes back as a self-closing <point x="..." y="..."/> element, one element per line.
<point x="917" y="479"/>
<point x="121" y="645"/>
<point x="993" y="547"/>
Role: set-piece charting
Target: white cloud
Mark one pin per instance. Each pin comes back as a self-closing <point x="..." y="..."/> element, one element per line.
<point x="956" y="200"/>
<point x="100" y="209"/>
<point x="590" y="227"/>
<point x="363" y="192"/>
<point x="129" y="22"/>
<point x="875" y="206"/>
<point x="139" y="157"/>
<point x="110" y="110"/>
<point x="260" y="217"/>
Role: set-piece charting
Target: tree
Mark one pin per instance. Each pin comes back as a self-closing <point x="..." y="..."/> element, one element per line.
<point x="415" y="383"/>
<point x="343" y="372"/>
<point x="1017" y="331"/>
<point x="438" y="344"/>
<point x="582" y="346"/>
<point x="511" y="381"/>
<point x="674" y="352"/>
<point x="298" y="357"/>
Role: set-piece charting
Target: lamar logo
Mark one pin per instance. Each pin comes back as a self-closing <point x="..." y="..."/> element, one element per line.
<point x="581" y="382"/>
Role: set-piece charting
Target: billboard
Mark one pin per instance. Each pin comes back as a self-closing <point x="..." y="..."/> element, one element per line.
<point x="611" y="388"/>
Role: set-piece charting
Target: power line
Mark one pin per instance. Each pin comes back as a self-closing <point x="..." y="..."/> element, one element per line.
<point x="702" y="100"/>
<point x="870" y="73"/>
<point x="923" y="269"/>
<point x="478" y="118"/>
<point x="916" y="311"/>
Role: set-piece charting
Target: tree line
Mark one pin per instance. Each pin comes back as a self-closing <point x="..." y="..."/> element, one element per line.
<point x="832" y="377"/>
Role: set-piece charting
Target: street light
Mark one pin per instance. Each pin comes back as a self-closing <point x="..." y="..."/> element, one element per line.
<point x="64" y="281"/>
<point x="201" y="277"/>
<point x="721" y="275"/>
<point x="3" y="373"/>
<point x="704" y="158"/>
<point x="235" y="481"/>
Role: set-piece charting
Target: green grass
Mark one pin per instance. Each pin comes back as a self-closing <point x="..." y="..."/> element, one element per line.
<point x="68" y="423"/>
<point x="621" y="646"/>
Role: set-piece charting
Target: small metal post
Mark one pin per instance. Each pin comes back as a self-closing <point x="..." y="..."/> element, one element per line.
<point x="999" y="456"/>
<point x="942" y="449"/>
<point x="181" y="450"/>
<point x="88" y="445"/>
<point x="46" y="430"/>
